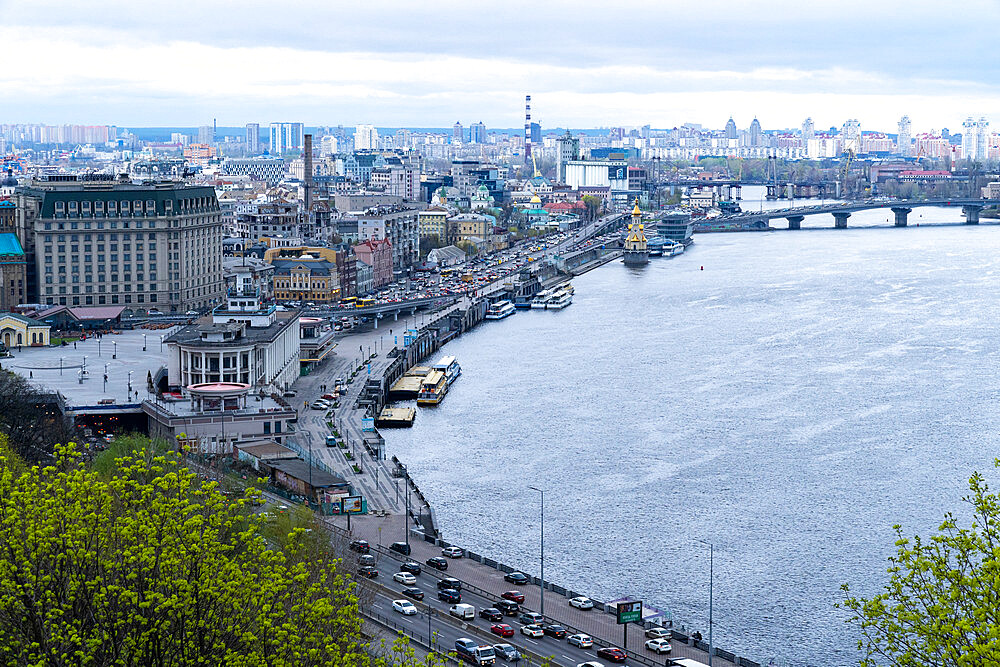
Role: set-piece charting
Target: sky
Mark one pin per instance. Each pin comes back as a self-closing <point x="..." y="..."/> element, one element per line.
<point x="586" y="64"/>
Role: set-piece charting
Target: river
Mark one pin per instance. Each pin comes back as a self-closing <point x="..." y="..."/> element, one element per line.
<point x="788" y="403"/>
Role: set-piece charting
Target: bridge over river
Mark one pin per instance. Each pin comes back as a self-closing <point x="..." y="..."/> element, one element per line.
<point x="841" y="211"/>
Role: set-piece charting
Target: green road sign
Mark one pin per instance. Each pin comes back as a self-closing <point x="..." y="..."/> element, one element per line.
<point x="629" y="612"/>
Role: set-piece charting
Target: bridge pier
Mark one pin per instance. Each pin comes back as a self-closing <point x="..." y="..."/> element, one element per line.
<point x="901" y="214"/>
<point x="795" y="221"/>
<point x="971" y="214"/>
<point x="840" y="220"/>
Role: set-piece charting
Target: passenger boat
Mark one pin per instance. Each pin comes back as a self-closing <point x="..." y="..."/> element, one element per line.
<point x="433" y="388"/>
<point x="559" y="300"/>
<point x="500" y="310"/>
<point x="673" y="250"/>
<point x="449" y="366"/>
<point x="541" y="299"/>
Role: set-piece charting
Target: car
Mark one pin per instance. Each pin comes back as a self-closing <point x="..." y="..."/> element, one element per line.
<point x="502" y="629"/>
<point x="414" y="593"/>
<point x="361" y="546"/>
<point x="581" y="603"/>
<point x="410" y="566"/>
<point x="660" y="645"/>
<point x="452" y="552"/>
<point x="507" y="652"/>
<point x="508" y="608"/>
<point x="530" y="618"/>
<point x="554" y="630"/>
<point x="515" y="577"/>
<point x="368" y="571"/>
<point x="658" y="633"/>
<point x="192" y="313"/>
<point x="581" y="640"/>
<point x="328" y="397"/>
<point x="491" y="614"/>
<point x="400" y="548"/>
<point x="437" y="563"/>
<point x="514" y="596"/>
<point x="449" y="595"/>
<point x="612" y="653"/>
<point x="533" y="630"/>
<point x="404" y="578"/>
<point x="320" y="405"/>
<point x="404" y="607"/>
<point x="289" y="393"/>
<point x="366" y="559"/>
<point x="590" y="663"/>
<point x="449" y="582"/>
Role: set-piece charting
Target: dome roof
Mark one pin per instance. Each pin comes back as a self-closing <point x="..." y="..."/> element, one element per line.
<point x="9" y="181"/>
<point x="536" y="200"/>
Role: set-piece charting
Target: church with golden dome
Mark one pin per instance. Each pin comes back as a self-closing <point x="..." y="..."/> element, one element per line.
<point x="635" y="250"/>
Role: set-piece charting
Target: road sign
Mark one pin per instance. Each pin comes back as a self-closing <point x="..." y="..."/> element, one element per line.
<point x="629" y="612"/>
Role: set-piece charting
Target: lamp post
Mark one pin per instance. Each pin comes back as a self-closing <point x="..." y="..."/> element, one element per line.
<point x="406" y="516"/>
<point x="60" y="365"/>
<point x="98" y="347"/>
<point x="105" y="378"/>
<point x="130" y="385"/>
<point x="114" y="355"/>
<point x="711" y="567"/>
<point x="143" y="342"/>
<point x="541" y="579"/>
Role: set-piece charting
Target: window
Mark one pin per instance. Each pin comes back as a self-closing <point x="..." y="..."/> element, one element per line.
<point x="60" y="208"/>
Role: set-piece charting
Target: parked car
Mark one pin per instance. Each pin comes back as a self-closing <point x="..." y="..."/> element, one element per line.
<point x="414" y="593"/>
<point x="449" y="595"/>
<point x="368" y="571"/>
<point x="611" y="653"/>
<point x="581" y="640"/>
<point x="449" y="582"/>
<point x="502" y="629"/>
<point x="581" y="603"/>
<point x="507" y="652"/>
<point x="660" y="645"/>
<point x="508" y="608"/>
<point x="404" y="578"/>
<point x="410" y="566"/>
<point x="532" y="630"/>
<point x="658" y="633"/>
<point x="361" y="546"/>
<point x="530" y="618"/>
<point x="452" y="552"/>
<point x="515" y="577"/>
<point x="516" y="596"/>
<point x="554" y="630"/>
<point x="400" y="547"/>
<point x="404" y="607"/>
<point x="491" y="614"/>
<point x="366" y="559"/>
<point x="438" y="563"/>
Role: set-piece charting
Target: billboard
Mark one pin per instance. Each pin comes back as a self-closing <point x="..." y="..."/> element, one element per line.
<point x="350" y="505"/>
<point x="629" y="612"/>
<point x="618" y="172"/>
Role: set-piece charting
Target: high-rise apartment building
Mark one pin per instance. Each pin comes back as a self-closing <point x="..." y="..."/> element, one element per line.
<point x="755" y="136"/>
<point x="731" y="131"/>
<point x="903" y="139"/>
<point x="206" y="135"/>
<point x="457" y="132"/>
<point x="93" y="241"/>
<point x="536" y="134"/>
<point x="477" y="133"/>
<point x="366" y="138"/>
<point x="808" y="130"/>
<point x="975" y="139"/>
<point x="286" y="137"/>
<point x="253" y="138"/>
<point x="850" y="136"/>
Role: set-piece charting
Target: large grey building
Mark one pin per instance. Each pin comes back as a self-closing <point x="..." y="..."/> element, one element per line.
<point x="94" y="240"/>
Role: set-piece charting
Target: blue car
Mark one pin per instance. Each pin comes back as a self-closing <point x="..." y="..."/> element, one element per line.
<point x="450" y="595"/>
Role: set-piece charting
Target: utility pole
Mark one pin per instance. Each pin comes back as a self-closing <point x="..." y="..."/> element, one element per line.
<point x="711" y="577"/>
<point x="541" y="578"/>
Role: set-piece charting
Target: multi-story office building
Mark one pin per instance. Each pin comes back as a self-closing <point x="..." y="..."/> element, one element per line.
<point x="91" y="240"/>
<point x="253" y="138"/>
<point x="904" y="143"/>
<point x="286" y="137"/>
<point x="366" y="138"/>
<point x="267" y="169"/>
<point x="277" y="219"/>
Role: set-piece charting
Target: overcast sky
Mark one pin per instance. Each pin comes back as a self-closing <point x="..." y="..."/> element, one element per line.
<point x="428" y="64"/>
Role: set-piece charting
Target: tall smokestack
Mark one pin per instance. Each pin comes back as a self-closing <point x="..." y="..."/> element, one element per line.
<point x="307" y="158"/>
<point x="527" y="129"/>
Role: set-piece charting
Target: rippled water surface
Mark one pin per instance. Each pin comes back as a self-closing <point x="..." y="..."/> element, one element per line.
<point x="790" y="402"/>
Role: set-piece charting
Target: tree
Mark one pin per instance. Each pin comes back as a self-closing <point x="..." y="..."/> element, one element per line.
<point x="31" y="420"/>
<point x="941" y="606"/>
<point x="593" y="205"/>
<point x="149" y="566"/>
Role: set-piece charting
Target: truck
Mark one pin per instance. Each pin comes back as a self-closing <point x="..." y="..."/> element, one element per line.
<point x="471" y="651"/>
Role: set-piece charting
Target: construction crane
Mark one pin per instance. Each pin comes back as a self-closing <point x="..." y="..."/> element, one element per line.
<point x="534" y="163"/>
<point x="846" y="170"/>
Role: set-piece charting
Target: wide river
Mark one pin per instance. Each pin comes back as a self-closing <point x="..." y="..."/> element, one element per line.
<point x="789" y="403"/>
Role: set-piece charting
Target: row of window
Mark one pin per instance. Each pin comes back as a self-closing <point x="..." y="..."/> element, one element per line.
<point x="133" y="206"/>
<point x="130" y="224"/>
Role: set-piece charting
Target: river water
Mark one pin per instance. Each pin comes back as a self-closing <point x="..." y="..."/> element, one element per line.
<point x="789" y="403"/>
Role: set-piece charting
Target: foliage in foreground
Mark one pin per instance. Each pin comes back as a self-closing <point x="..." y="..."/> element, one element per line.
<point x="149" y="566"/>
<point x="941" y="606"/>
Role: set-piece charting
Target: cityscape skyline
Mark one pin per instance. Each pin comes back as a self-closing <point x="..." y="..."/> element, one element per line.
<point x="388" y="66"/>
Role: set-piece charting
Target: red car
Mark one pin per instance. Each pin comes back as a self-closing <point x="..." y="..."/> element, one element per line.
<point x="516" y="596"/>
<point x="502" y="629"/>
<point x="329" y="397"/>
<point x="611" y="653"/>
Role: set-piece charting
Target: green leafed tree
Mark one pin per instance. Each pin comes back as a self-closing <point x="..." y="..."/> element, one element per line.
<point x="146" y="565"/>
<point x="941" y="606"/>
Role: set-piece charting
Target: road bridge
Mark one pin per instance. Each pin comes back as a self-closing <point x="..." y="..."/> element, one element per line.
<point x="841" y="211"/>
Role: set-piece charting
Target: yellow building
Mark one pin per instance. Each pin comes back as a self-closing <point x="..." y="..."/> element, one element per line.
<point x="304" y="274"/>
<point x="18" y="330"/>
<point x="433" y="222"/>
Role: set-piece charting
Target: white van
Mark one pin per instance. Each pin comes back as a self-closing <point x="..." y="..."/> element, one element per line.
<point x="464" y="611"/>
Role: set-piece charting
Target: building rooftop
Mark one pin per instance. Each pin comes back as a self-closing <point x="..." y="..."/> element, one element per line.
<point x="9" y="245"/>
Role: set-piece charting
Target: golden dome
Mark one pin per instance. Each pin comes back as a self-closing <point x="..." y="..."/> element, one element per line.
<point x="636" y="211"/>
<point x="536" y="199"/>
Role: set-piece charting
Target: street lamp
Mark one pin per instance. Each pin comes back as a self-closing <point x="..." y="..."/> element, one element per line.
<point x="105" y="378"/>
<point x="711" y="567"/>
<point x="115" y="353"/>
<point x="143" y="342"/>
<point x="130" y="385"/>
<point x="541" y="579"/>
<point x="60" y="365"/>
